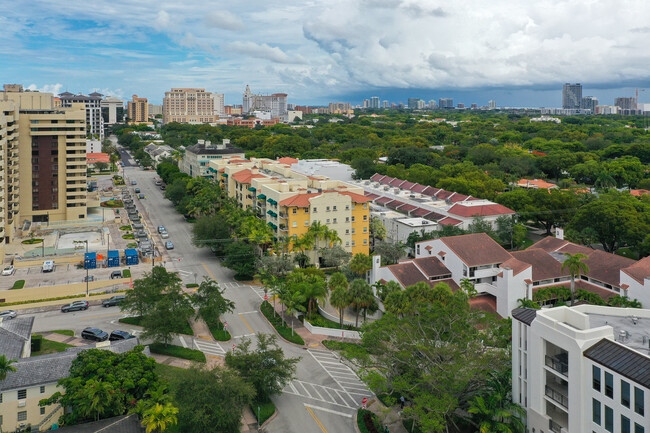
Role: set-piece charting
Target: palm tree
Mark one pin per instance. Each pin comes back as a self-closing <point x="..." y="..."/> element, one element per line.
<point x="6" y="367"/>
<point x="293" y="302"/>
<point x="360" y="296"/>
<point x="340" y="299"/>
<point x="97" y="398"/>
<point x="360" y="264"/>
<point x="158" y="417"/>
<point x="338" y="279"/>
<point x="576" y="266"/>
<point x="314" y="291"/>
<point x="493" y="409"/>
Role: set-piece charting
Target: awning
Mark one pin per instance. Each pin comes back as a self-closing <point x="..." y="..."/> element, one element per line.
<point x="224" y="174"/>
<point x="273" y="214"/>
<point x="252" y="189"/>
<point x="273" y="202"/>
<point x="261" y="196"/>
<point x="273" y="225"/>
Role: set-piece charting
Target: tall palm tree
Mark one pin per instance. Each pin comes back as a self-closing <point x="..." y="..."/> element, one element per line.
<point x="338" y="279"/>
<point x="493" y="409"/>
<point x="339" y="299"/>
<point x="6" y="367"/>
<point x="360" y="264"/>
<point x="293" y="301"/>
<point x="360" y="296"/>
<point x="576" y="266"/>
<point x="98" y="397"/>
<point x="314" y="291"/>
<point x="158" y="417"/>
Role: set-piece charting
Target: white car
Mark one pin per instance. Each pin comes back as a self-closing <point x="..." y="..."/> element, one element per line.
<point x="8" y="270"/>
<point x="8" y="314"/>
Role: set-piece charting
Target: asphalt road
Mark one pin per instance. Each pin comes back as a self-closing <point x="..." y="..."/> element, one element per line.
<point x="324" y="395"/>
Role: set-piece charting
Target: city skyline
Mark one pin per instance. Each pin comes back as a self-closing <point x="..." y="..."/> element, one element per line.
<point x="317" y="53"/>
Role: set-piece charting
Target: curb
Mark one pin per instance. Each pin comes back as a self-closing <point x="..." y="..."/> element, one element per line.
<point x="271" y="418"/>
<point x="276" y="331"/>
<point x="356" y="422"/>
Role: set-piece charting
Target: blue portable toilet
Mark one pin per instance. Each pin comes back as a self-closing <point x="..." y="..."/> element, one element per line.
<point x="113" y="258"/>
<point x="90" y="261"/>
<point x="131" y="256"/>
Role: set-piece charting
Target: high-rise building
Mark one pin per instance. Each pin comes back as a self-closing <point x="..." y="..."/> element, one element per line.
<point x="219" y="103"/>
<point x="572" y="96"/>
<point x="589" y="103"/>
<point x="421" y="104"/>
<point x="433" y="104"/>
<point x="138" y="110"/>
<point x="112" y="110"/>
<point x="339" y="108"/>
<point x="53" y="175"/>
<point x="626" y="105"/>
<point x="92" y="102"/>
<point x="276" y="103"/>
<point x="9" y="201"/>
<point x="155" y="109"/>
<point x="445" y="103"/>
<point x="460" y="105"/>
<point x="366" y="103"/>
<point x="385" y="104"/>
<point x="492" y="104"/>
<point x="374" y="102"/>
<point x="188" y="105"/>
<point x="412" y="103"/>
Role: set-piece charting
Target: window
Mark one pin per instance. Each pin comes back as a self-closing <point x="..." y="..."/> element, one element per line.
<point x="365" y="229"/>
<point x="314" y="210"/>
<point x="306" y="223"/>
<point x="595" y="372"/>
<point x="347" y="231"/>
<point x="354" y="244"/>
<point x="42" y="411"/>
<point x="334" y="208"/>
<point x="334" y="221"/>
<point x="327" y="209"/>
<point x="294" y="211"/>
<point x="365" y="217"/>
<point x="595" y="411"/>
<point x="609" y="385"/>
<point x="22" y="416"/>
<point x="609" y="419"/>
<point x="42" y="390"/>
<point x="347" y="207"/>
<point x="295" y="223"/>
<point x="0" y="402"/>
<point x="347" y="244"/>
<point x="353" y="231"/>
<point x="637" y="428"/>
<point x="347" y="219"/>
<point x="365" y="205"/>
<point x="625" y="393"/>
<point x="638" y="401"/>
<point x="22" y="394"/>
<point x="625" y="424"/>
<point x="365" y="241"/>
<point x="327" y="221"/>
<point x="352" y="219"/>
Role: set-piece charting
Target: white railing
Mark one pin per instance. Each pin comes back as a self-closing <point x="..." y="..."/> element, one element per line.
<point x="486" y="288"/>
<point x="343" y="333"/>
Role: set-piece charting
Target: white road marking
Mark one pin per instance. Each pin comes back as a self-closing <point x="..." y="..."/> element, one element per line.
<point x="344" y="376"/>
<point x="182" y="341"/>
<point x="210" y="348"/>
<point x="324" y="409"/>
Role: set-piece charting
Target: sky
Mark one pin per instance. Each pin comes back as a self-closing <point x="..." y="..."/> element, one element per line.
<point x="518" y="53"/>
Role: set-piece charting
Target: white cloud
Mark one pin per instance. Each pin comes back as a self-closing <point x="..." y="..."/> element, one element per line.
<point x="47" y="88"/>
<point x="224" y="20"/>
<point x="262" y="51"/>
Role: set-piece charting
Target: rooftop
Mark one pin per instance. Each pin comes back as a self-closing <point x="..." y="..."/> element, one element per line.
<point x="634" y="327"/>
<point x="118" y="424"/>
<point x="324" y="167"/>
<point x="14" y="334"/>
<point x="476" y="249"/>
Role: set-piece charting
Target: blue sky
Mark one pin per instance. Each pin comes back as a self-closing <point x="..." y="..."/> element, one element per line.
<point x="319" y="51"/>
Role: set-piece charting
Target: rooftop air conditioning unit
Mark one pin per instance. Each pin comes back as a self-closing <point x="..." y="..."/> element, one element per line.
<point x="412" y="196"/>
<point x="386" y="188"/>
<point x="367" y="182"/>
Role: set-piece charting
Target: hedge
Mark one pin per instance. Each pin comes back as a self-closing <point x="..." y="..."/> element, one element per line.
<point x="280" y="325"/>
<point x="216" y="329"/>
<point x="177" y="352"/>
<point x="19" y="284"/>
<point x="126" y="273"/>
<point x="266" y="410"/>
<point x="37" y="340"/>
<point x="368" y="422"/>
<point x="318" y="320"/>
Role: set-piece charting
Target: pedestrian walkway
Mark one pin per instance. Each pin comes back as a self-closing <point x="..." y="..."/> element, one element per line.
<point x="209" y="347"/>
<point x="322" y="393"/>
<point x="343" y="375"/>
<point x="60" y="338"/>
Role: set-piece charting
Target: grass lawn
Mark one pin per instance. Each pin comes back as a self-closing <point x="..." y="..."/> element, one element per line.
<point x="318" y="320"/>
<point x="177" y="351"/>
<point x="49" y="346"/>
<point x="68" y="332"/>
<point x="217" y="331"/>
<point x="266" y="410"/>
<point x="280" y="325"/>
<point x="19" y="284"/>
<point x="351" y="351"/>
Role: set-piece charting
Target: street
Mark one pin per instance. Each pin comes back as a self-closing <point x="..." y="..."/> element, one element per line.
<point x="325" y="394"/>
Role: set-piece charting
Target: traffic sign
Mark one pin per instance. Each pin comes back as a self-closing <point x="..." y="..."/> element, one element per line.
<point x="266" y="297"/>
<point x="364" y="402"/>
<point x="225" y="325"/>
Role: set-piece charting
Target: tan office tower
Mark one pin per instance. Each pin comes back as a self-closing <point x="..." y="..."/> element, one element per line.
<point x="52" y="167"/>
<point x="138" y="110"/>
<point x="189" y="106"/>
<point x="9" y="202"/>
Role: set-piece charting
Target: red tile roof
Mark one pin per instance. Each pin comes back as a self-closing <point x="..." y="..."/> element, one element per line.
<point x="517" y="266"/>
<point x="434" y="216"/>
<point x="356" y="198"/>
<point x="420" y="212"/>
<point x="442" y="194"/>
<point x="387" y="180"/>
<point x="397" y="182"/>
<point x="383" y="200"/>
<point x="484" y="210"/>
<point x="544" y="265"/>
<point x="245" y="176"/>
<point x="485" y="302"/>
<point x="476" y="249"/>
<point x="535" y="183"/>
<point x="407" y="185"/>
<point x="299" y="200"/>
<point x="406" y="208"/>
<point x="417" y="188"/>
<point x="549" y="243"/>
<point x="287" y="160"/>
<point x="93" y="158"/>
<point x="639" y="270"/>
<point x="377" y="177"/>
<point x="395" y="204"/>
<point x="430" y="191"/>
<point x="432" y="266"/>
<point x="371" y="196"/>
<point x="639" y="192"/>
<point x="449" y="221"/>
<point x="407" y="273"/>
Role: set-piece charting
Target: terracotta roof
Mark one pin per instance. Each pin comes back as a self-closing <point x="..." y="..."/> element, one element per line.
<point x="383" y="200"/>
<point x="245" y="176"/>
<point x="549" y="243"/>
<point x="484" y="210"/>
<point x="606" y="267"/>
<point x="443" y="194"/>
<point x="417" y="188"/>
<point x="430" y="191"/>
<point x="396" y="182"/>
<point x="287" y="160"/>
<point x="387" y="180"/>
<point x="357" y="198"/>
<point x="395" y="204"/>
<point x="456" y="197"/>
<point x="476" y="249"/>
<point x="371" y="196"/>
<point x="485" y="302"/>
<point x="420" y="212"/>
<point x="299" y="200"/>
<point x="407" y="273"/>
<point x="544" y="265"/>
<point x="435" y="216"/>
<point x="377" y="177"/>
<point x="639" y="270"/>
<point x="449" y="221"/>
<point x="92" y="158"/>
<point x="407" y="185"/>
<point x="516" y="265"/>
<point x="432" y="266"/>
<point x="639" y="192"/>
<point x="535" y="183"/>
<point x="406" y="208"/>
<point x="448" y="281"/>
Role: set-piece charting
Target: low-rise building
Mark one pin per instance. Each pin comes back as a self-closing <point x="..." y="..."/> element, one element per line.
<point x="535" y="184"/>
<point x="158" y="152"/>
<point x="582" y="369"/>
<point x="197" y="158"/>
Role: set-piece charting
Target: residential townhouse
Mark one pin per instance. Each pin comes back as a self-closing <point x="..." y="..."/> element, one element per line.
<point x="582" y="369"/>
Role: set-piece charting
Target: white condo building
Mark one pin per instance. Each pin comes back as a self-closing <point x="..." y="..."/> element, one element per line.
<point x="582" y="369"/>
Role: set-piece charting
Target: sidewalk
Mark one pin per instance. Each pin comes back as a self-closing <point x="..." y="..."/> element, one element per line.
<point x="389" y="417"/>
<point x="60" y="338"/>
<point x="311" y="340"/>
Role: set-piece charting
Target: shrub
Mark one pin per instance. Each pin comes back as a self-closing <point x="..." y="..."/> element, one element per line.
<point x="266" y="410"/>
<point x="37" y="341"/>
<point x="177" y="351"/>
<point x="191" y="285"/>
<point x="135" y="320"/>
<point x="32" y="241"/>
<point x="128" y="236"/>
<point x="131" y="245"/>
<point x="318" y="320"/>
<point x="280" y="325"/>
<point x="112" y="203"/>
<point x="216" y="329"/>
<point x="367" y="421"/>
<point x="19" y="284"/>
<point x="127" y="227"/>
<point x="126" y="273"/>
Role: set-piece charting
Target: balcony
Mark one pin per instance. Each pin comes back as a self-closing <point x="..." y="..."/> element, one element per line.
<point x="558" y="394"/>
<point x="559" y="363"/>
<point x="554" y="427"/>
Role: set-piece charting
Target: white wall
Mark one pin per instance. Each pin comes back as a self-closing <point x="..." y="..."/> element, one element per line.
<point x="638" y="291"/>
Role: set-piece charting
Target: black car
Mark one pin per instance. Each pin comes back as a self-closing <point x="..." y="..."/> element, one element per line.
<point x="115" y="300"/>
<point x="116" y="274"/>
<point x="120" y="335"/>
<point x="94" y="334"/>
<point x="75" y="306"/>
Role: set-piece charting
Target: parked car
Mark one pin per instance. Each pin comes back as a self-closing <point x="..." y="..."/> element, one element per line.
<point x="116" y="274"/>
<point x="48" y="266"/>
<point x="75" y="306"/>
<point x="8" y="314"/>
<point x="94" y="334"/>
<point x="169" y="245"/>
<point x="8" y="270"/>
<point x="89" y="278"/>
<point x="137" y="190"/>
<point x="164" y="235"/>
<point x="115" y="300"/>
<point x="120" y="335"/>
<point x="140" y="196"/>
<point x="161" y="229"/>
<point x="133" y="182"/>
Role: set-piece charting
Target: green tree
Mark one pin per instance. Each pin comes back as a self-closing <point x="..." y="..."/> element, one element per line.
<point x="293" y="301"/>
<point x="360" y="296"/>
<point x="361" y="264"/>
<point x="334" y="257"/>
<point x="240" y="257"/>
<point x="199" y="411"/>
<point x="337" y="279"/>
<point x="210" y="301"/>
<point x="493" y="409"/>
<point x="148" y="290"/>
<point x="377" y="229"/>
<point x="312" y="287"/>
<point x="468" y="287"/>
<point x="101" y="166"/>
<point x="574" y="263"/>
<point x="265" y="368"/>
<point x="211" y="231"/>
<point x="6" y="367"/>
<point x="96" y="398"/>
<point x="383" y="290"/>
<point x="158" y="417"/>
<point x="390" y="252"/>
<point x="340" y="299"/>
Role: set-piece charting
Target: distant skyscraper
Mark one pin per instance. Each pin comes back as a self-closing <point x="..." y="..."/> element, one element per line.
<point x="275" y="103"/>
<point x="474" y="106"/>
<point x="374" y="102"/>
<point x="92" y="102"/>
<point x="366" y="103"/>
<point x="188" y="105"/>
<point x="492" y="104"/>
<point x="421" y="104"/>
<point x="626" y="105"/>
<point x="590" y="103"/>
<point x="138" y="110"/>
<point x="446" y="103"/>
<point x="460" y="105"/>
<point x="433" y="104"/>
<point x="385" y="104"/>
<point x="413" y="103"/>
<point x="572" y="96"/>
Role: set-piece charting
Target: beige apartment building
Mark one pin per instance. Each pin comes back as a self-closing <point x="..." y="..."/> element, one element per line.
<point x="138" y="110"/>
<point x="9" y="201"/>
<point x="190" y="105"/>
<point x="290" y="202"/>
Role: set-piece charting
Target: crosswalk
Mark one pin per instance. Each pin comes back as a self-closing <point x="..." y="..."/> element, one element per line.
<point x="258" y="290"/>
<point x="322" y="393"/>
<point x="209" y="347"/>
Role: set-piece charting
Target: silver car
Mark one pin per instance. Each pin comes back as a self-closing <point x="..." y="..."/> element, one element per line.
<point x="8" y="314"/>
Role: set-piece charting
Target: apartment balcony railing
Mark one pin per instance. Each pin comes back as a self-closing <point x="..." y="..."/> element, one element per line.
<point x="554" y="427"/>
<point x="557" y="396"/>
<point x="557" y="364"/>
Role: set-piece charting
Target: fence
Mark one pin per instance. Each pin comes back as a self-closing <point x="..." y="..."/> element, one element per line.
<point x="343" y="333"/>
